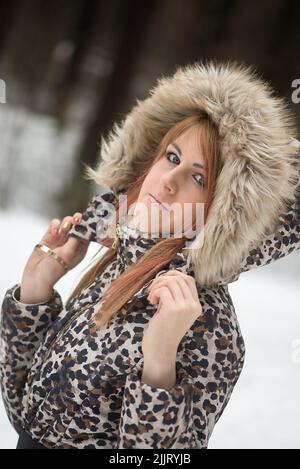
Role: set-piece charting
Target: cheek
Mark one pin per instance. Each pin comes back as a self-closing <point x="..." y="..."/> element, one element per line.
<point x="192" y="194"/>
<point x="155" y="173"/>
<point x="198" y="208"/>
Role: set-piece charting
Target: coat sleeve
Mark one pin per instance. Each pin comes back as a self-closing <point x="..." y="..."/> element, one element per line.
<point x="23" y="329"/>
<point x="209" y="362"/>
<point x="284" y="240"/>
<point x="95" y="218"/>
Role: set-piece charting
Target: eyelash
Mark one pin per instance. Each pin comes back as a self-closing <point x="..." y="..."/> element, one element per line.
<point x="172" y="153"/>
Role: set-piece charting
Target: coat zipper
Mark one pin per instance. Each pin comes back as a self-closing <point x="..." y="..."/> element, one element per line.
<point x="116" y="240"/>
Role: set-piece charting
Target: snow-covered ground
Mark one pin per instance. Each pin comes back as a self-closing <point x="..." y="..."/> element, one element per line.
<point x="264" y="410"/>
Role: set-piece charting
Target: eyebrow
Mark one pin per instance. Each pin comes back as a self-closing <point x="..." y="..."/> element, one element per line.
<point x="197" y="165"/>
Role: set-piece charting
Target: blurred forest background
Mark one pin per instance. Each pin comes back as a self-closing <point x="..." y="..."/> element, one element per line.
<point x="73" y="67"/>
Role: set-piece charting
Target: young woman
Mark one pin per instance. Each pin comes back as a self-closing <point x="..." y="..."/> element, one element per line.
<point x="147" y="350"/>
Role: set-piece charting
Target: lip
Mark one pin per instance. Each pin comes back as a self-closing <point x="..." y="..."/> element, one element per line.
<point x="154" y="199"/>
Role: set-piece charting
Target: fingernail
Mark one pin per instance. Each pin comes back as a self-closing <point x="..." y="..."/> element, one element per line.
<point x="65" y="225"/>
<point x="55" y="231"/>
<point x="76" y="219"/>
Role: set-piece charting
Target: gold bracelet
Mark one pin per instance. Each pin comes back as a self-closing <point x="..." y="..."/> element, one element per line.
<point x="53" y="255"/>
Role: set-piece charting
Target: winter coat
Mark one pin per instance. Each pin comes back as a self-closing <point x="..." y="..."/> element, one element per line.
<point x="69" y="387"/>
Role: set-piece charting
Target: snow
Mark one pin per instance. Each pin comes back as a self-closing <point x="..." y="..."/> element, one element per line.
<point x="36" y="158"/>
<point x="264" y="410"/>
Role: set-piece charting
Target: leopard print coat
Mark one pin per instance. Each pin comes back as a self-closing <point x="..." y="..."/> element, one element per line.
<point x="70" y="388"/>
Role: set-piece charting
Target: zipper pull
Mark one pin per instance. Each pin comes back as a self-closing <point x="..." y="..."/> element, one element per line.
<point x="116" y="240"/>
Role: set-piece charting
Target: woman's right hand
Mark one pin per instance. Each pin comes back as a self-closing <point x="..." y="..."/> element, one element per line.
<point x="42" y="271"/>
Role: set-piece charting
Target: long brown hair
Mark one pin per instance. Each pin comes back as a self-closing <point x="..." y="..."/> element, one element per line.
<point x="156" y="258"/>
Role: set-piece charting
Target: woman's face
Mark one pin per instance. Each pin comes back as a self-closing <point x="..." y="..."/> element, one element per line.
<point x="178" y="181"/>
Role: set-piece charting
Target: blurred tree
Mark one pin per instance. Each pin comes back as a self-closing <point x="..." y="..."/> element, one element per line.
<point x="87" y="62"/>
<point x="133" y="18"/>
<point x="7" y="12"/>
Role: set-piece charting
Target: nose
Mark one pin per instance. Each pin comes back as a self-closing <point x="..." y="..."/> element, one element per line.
<point x="168" y="187"/>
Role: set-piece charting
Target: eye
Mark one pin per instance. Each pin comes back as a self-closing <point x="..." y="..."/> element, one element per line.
<point x="201" y="180"/>
<point x="171" y="153"/>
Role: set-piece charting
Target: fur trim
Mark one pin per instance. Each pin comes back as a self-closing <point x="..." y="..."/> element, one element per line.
<point x="259" y="174"/>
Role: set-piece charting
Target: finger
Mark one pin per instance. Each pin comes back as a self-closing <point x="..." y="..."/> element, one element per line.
<point x="189" y="279"/>
<point x="176" y="273"/>
<point x="54" y="226"/>
<point x="77" y="217"/>
<point x="185" y="288"/>
<point x="187" y="284"/>
<point x="50" y="237"/>
<point x="154" y="284"/>
<point x="76" y="243"/>
<point x="66" y="225"/>
<point x="155" y="293"/>
<point x="177" y="290"/>
<point x="190" y="282"/>
<point x="54" y="236"/>
<point x="165" y="297"/>
<point x="161" y="278"/>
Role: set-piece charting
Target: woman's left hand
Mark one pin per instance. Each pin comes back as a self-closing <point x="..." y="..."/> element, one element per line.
<point x="179" y="307"/>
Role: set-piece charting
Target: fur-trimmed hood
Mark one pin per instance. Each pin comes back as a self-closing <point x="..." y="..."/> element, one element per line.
<point x="258" y="177"/>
